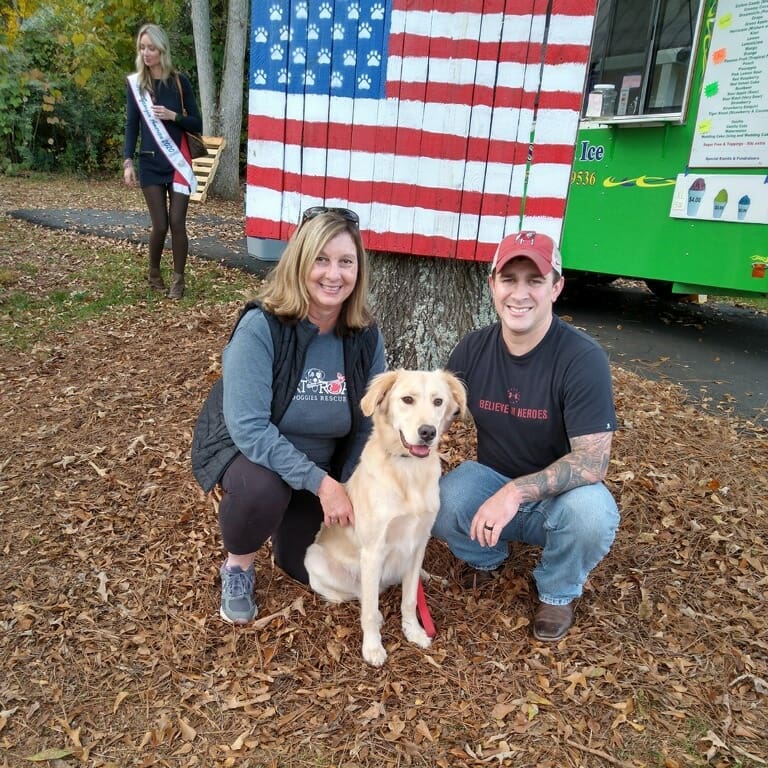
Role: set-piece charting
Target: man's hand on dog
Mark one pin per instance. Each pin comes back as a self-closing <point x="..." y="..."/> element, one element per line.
<point x="337" y="508"/>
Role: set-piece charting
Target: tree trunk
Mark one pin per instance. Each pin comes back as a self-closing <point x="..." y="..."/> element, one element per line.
<point x="424" y="306"/>
<point x="201" y="30"/>
<point x="226" y="183"/>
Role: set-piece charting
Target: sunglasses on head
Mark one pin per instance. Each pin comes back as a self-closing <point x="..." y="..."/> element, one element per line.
<point x="316" y="210"/>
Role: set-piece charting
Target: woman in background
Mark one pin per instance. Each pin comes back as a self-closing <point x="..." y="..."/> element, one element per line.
<point x="156" y="113"/>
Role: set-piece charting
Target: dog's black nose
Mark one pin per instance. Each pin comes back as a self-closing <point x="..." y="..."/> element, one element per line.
<point x="427" y="433"/>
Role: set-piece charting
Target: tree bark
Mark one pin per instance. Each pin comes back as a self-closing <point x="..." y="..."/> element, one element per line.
<point x="424" y="306"/>
<point x="226" y="183"/>
<point x="201" y="31"/>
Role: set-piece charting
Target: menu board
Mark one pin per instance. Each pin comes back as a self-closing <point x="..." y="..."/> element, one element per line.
<point x="732" y="123"/>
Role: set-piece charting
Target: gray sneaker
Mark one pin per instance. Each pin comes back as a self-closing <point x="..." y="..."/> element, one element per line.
<point x="237" y="603"/>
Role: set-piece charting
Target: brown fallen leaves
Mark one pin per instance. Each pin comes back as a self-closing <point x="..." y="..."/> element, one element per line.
<point x="112" y="653"/>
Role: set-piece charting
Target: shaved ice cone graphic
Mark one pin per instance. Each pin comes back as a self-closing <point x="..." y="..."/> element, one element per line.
<point x="695" y="193"/>
<point x="721" y="200"/>
<point x="743" y="207"/>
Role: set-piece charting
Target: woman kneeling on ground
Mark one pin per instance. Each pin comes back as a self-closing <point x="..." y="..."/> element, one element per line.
<point x="282" y="429"/>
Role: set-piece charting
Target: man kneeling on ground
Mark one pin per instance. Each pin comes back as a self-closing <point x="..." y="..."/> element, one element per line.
<point x="541" y="397"/>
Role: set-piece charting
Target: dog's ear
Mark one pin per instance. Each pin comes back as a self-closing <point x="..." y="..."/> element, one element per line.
<point x="377" y="392"/>
<point x="459" y="395"/>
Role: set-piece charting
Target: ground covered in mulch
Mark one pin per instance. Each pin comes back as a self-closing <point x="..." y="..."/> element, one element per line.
<point x="112" y="652"/>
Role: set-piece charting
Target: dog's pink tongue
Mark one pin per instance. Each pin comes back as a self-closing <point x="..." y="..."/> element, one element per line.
<point x="419" y="450"/>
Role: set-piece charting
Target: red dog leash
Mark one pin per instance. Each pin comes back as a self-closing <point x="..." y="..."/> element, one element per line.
<point x="424" y="616"/>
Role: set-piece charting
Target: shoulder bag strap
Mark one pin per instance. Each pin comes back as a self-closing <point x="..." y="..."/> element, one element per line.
<point x="181" y="95"/>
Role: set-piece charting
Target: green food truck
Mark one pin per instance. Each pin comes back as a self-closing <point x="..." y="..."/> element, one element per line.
<point x="670" y="175"/>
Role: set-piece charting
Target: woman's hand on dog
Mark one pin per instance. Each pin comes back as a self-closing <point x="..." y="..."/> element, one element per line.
<point x="337" y="508"/>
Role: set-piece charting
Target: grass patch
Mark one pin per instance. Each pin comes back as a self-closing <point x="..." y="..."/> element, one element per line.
<point x="51" y="284"/>
<point x="745" y="302"/>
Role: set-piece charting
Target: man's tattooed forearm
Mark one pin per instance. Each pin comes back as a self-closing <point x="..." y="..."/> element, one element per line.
<point x="587" y="463"/>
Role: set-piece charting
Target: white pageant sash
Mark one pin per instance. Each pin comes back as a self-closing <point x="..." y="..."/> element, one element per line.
<point x="184" y="178"/>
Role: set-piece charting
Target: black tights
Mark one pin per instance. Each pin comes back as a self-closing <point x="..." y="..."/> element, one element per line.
<point x="166" y="206"/>
<point x="258" y="504"/>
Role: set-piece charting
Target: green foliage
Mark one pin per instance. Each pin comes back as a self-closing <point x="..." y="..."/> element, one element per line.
<point x="62" y="79"/>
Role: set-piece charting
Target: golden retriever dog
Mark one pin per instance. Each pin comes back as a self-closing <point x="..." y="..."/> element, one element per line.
<point x="395" y="495"/>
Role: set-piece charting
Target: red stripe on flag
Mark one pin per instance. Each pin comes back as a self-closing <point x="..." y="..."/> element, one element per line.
<point x="516" y="8"/>
<point x="468" y="94"/>
<point x="420" y="46"/>
<point x="567" y="100"/>
<point x="546" y="207"/>
<point x="365" y="192"/>
<point x="574" y="7"/>
<point x="372" y="139"/>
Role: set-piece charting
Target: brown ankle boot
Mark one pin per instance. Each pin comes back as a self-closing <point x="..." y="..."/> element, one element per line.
<point x="177" y="286"/>
<point x="155" y="279"/>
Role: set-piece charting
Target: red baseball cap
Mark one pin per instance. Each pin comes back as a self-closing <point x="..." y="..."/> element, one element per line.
<point x="537" y="247"/>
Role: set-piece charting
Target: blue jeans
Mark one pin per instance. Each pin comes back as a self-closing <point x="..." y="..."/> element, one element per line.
<point x="575" y="529"/>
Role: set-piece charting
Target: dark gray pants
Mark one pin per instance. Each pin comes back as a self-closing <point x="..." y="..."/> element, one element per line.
<point x="258" y="504"/>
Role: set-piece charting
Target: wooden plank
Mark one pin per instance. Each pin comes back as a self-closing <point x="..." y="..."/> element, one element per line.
<point x="205" y="167"/>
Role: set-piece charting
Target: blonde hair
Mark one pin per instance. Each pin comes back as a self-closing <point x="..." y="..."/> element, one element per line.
<point x="285" y="293"/>
<point x="159" y="39"/>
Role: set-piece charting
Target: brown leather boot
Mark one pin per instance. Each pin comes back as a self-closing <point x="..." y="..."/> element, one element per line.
<point x="176" y="290"/>
<point x="155" y="279"/>
<point x="552" y="622"/>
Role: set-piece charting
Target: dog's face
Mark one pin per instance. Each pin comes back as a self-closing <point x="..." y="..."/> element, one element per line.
<point x="415" y="407"/>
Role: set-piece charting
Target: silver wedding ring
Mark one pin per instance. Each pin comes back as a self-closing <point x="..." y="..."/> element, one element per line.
<point x="488" y="527"/>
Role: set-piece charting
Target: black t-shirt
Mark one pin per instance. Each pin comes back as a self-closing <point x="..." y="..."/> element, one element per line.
<point x="526" y="408"/>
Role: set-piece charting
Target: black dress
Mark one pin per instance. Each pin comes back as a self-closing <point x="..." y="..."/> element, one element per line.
<point x="154" y="167"/>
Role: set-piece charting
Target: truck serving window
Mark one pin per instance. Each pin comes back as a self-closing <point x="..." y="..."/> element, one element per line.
<point x="640" y="63"/>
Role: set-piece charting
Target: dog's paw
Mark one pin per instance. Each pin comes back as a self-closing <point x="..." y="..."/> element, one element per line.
<point x="374" y="654"/>
<point x="415" y="633"/>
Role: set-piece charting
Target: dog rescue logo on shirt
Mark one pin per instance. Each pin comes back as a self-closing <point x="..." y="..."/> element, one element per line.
<point x="315" y="387"/>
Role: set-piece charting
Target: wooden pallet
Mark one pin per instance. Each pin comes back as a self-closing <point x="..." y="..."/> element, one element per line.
<point x="205" y="167"/>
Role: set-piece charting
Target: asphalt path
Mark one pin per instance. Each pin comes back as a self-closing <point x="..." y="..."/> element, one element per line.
<point x="717" y="352"/>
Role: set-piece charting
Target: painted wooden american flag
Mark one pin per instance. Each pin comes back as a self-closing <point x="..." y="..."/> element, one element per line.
<point x="444" y="124"/>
